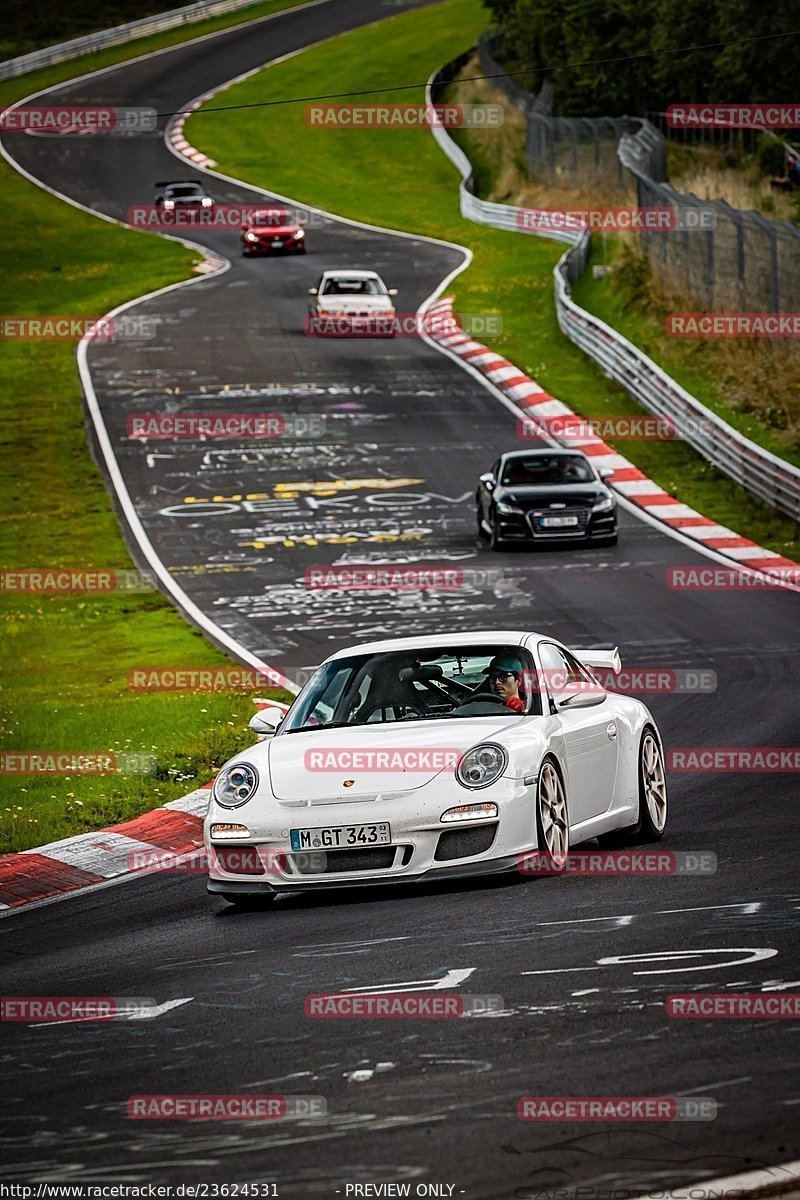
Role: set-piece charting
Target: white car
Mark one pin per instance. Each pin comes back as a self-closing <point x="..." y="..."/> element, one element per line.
<point x="351" y="303"/>
<point x="421" y="759"/>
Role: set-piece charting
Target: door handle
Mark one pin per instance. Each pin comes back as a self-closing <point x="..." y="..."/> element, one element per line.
<point x="611" y="730"/>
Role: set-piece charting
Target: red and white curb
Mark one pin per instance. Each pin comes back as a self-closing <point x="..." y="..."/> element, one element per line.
<point x="534" y="403"/>
<point x="178" y="142"/>
<point x="95" y="857"/>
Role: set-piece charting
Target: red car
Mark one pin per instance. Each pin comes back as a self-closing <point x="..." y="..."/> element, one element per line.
<point x="272" y="231"/>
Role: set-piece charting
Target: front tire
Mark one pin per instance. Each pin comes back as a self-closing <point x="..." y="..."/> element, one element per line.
<point x="495" y="541"/>
<point x="552" y="820"/>
<point x="651" y="821"/>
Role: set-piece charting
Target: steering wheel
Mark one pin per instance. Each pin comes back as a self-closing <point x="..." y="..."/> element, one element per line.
<point x="483" y="698"/>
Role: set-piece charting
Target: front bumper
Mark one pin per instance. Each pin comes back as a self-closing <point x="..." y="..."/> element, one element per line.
<point x="421" y="847"/>
<point x="290" y="246"/>
<point x="464" y="870"/>
<point x="522" y="527"/>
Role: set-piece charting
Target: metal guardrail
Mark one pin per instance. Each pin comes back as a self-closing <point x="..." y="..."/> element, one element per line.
<point x="117" y="35"/>
<point x="758" y="471"/>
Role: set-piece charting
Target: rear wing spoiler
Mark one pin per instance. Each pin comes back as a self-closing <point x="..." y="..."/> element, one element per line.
<point x="607" y="660"/>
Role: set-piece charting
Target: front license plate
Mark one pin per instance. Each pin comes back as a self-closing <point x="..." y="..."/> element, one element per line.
<point x="558" y="522"/>
<point x="277" y="242"/>
<point x="337" y="837"/>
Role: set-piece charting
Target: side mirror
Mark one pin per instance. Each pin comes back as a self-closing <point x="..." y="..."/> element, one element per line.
<point x="392" y="291"/>
<point x="488" y="480"/>
<point x="312" y="291"/>
<point x="605" y="472"/>
<point x="265" y="722"/>
<point x="581" y="700"/>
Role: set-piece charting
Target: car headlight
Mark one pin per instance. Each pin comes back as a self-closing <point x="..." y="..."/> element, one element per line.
<point x="169" y="204"/>
<point x="206" y="202"/>
<point x="503" y="506"/>
<point x="235" y="785"/>
<point x="604" y="504"/>
<point x="251" y="237"/>
<point x="481" y="765"/>
<point x="299" y="233"/>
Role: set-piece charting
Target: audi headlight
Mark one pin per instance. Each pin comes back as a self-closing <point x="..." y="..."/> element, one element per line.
<point x="604" y="504"/>
<point x="235" y="785"/>
<point x="169" y="204"/>
<point x="503" y="506"/>
<point x="481" y="765"/>
<point x="206" y="202"/>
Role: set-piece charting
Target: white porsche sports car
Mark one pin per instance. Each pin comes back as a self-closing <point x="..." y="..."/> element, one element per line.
<point x="413" y="759"/>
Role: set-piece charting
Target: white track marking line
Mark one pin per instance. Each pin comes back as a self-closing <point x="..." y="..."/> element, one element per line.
<point x="716" y="1086"/>
<point x="747" y="1184"/>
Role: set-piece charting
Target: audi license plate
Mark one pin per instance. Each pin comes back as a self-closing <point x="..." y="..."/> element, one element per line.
<point x="558" y="522"/>
<point x="336" y="837"/>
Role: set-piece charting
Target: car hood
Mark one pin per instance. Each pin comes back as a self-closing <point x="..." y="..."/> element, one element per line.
<point x="308" y="767"/>
<point x="541" y="497"/>
<point x="272" y="230"/>
<point x="350" y="303"/>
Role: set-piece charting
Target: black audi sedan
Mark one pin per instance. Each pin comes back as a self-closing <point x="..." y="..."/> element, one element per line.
<point x="546" y="496"/>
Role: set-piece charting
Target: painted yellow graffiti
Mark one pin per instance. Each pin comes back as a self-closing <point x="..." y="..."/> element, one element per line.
<point x="330" y="487"/>
<point x="292" y="543"/>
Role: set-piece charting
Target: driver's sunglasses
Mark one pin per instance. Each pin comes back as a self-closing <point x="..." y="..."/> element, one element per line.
<point x="501" y="676"/>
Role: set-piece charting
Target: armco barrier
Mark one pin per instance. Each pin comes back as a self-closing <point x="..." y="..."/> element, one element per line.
<point x="63" y="51"/>
<point x="761" y="473"/>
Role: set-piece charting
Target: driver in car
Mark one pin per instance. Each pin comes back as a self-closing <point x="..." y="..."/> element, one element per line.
<point x="505" y="677"/>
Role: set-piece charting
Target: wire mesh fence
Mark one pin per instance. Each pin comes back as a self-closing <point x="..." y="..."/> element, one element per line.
<point x="725" y="259"/>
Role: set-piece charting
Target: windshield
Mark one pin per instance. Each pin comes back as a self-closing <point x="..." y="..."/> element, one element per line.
<point x="409" y="685"/>
<point x="543" y="469"/>
<point x="188" y="190"/>
<point x="272" y="217"/>
<point x="352" y="287"/>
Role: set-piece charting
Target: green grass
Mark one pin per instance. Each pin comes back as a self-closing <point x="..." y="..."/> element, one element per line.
<point x="696" y="364"/>
<point x="399" y="178"/>
<point x="64" y="680"/>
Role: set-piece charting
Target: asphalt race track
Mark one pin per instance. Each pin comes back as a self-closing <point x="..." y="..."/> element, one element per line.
<point x="408" y="431"/>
